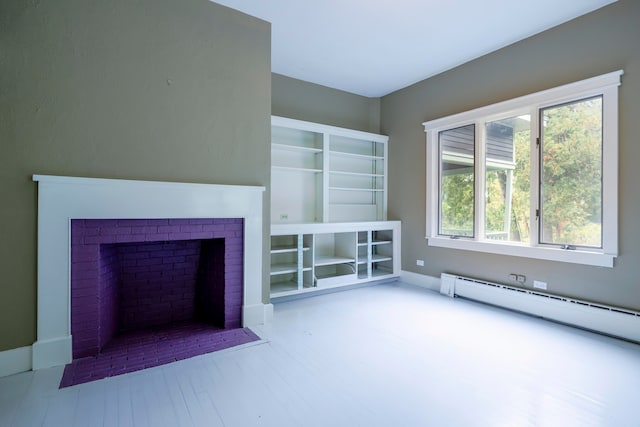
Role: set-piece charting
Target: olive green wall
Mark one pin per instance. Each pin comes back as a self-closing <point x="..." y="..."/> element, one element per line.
<point x="151" y="89"/>
<point x="302" y="100"/>
<point x="603" y="41"/>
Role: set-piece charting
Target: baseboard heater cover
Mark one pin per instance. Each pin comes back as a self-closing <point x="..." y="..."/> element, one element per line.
<point x="608" y="320"/>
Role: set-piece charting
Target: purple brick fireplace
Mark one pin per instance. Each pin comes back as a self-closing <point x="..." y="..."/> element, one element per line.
<point x="133" y="275"/>
<point x="117" y="258"/>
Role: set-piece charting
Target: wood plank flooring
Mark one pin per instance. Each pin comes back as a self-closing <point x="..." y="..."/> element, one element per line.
<point x="385" y="355"/>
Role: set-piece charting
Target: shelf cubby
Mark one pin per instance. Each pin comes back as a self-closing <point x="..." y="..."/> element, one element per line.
<point x="332" y="255"/>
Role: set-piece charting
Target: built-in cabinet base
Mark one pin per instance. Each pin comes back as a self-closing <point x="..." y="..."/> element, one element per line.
<point x="314" y="256"/>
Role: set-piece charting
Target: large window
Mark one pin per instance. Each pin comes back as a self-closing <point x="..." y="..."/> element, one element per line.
<point x="534" y="176"/>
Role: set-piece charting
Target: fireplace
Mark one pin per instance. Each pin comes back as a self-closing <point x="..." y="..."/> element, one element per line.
<point x="198" y="220"/>
<point x="133" y="275"/>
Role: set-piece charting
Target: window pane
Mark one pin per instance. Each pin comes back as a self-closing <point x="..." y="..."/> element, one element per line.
<point x="571" y="174"/>
<point x="456" y="151"/>
<point x="507" y="203"/>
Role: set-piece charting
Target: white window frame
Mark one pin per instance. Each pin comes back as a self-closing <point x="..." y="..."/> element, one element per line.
<point x="605" y="85"/>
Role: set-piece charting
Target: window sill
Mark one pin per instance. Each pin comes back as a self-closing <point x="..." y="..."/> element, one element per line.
<point x="545" y="253"/>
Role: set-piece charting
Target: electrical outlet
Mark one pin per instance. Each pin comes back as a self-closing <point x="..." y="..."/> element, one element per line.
<point x="420" y="262"/>
<point x="521" y="278"/>
<point x="540" y="285"/>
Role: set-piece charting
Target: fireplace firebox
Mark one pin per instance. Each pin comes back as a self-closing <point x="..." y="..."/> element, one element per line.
<point x="132" y="275"/>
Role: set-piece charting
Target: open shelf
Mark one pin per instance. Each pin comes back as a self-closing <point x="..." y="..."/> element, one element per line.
<point x="283" y="268"/>
<point x="379" y="272"/>
<point x="354" y="189"/>
<point x="294" y="169"/>
<point x="283" y="249"/>
<point x="379" y="175"/>
<point x="381" y="242"/>
<point x="315" y="166"/>
<point x="296" y="138"/>
<point x="293" y="161"/>
<point x="279" y="287"/>
<point x="297" y="148"/>
<point x="312" y="256"/>
<point x="356" y="156"/>
<point x="329" y="260"/>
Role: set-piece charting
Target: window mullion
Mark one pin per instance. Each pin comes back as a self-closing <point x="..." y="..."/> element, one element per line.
<point x="534" y="181"/>
<point x="432" y="185"/>
<point x="480" y="185"/>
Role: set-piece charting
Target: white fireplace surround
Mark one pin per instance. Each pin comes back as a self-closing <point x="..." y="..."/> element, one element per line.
<point x="61" y="199"/>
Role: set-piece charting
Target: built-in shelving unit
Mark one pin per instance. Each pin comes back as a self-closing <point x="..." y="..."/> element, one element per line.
<point x="308" y="257"/>
<point x="291" y="268"/>
<point x="329" y="208"/>
<point x="324" y="173"/>
<point x="357" y="178"/>
<point x="297" y="170"/>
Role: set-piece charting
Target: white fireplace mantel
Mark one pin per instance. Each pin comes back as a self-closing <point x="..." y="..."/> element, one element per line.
<point x="61" y="199"/>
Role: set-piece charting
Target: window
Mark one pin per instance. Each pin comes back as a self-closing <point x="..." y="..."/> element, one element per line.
<point x="457" y="190"/>
<point x="534" y="176"/>
<point x="571" y="174"/>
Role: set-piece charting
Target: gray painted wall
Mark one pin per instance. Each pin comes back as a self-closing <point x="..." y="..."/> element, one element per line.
<point x="302" y="100"/>
<point x="152" y="89"/>
<point x="603" y="41"/>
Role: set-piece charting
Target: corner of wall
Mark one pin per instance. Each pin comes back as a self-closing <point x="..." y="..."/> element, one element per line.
<point x="375" y="115"/>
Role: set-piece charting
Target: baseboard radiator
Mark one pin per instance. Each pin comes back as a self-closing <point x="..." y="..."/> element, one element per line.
<point x="600" y="318"/>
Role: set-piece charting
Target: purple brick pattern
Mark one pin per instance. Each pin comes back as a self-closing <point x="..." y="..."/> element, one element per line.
<point x="142" y="350"/>
<point x="157" y="282"/>
<point x="120" y="268"/>
<point x="215" y="302"/>
<point x="109" y="266"/>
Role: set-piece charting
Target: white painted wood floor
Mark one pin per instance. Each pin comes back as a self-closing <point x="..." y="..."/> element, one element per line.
<point x="385" y="355"/>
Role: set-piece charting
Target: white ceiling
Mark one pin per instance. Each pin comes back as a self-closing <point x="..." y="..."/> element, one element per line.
<point x="372" y="48"/>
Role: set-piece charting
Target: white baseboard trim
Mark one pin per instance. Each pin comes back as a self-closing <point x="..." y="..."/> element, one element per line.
<point x="422" y="280"/>
<point x="256" y="314"/>
<point x="15" y="361"/>
<point x="268" y="314"/>
<point x="51" y="352"/>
